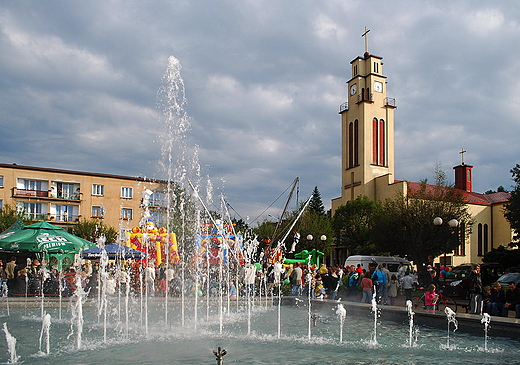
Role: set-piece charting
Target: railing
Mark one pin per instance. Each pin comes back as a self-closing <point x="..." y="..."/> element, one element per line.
<point x="64" y="218"/>
<point x="52" y="217"/>
<point x="343" y="107"/>
<point x="365" y="96"/>
<point x="390" y="102"/>
<point x="30" y="193"/>
<point x="73" y="196"/>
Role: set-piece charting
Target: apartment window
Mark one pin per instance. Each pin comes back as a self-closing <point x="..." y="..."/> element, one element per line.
<point x="126" y="213"/>
<point x="1" y="204"/>
<point x="97" y="212"/>
<point x="98" y="190"/>
<point x="32" y="185"/>
<point x="126" y="192"/>
<point x="1" y="181"/>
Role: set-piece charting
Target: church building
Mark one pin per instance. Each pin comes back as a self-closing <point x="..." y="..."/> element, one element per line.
<point x="367" y="154"/>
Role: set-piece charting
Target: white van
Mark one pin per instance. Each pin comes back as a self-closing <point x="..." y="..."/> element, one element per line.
<point x="392" y="263"/>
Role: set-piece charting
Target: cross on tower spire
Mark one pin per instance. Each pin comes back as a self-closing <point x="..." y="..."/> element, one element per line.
<point x="366" y="38"/>
<point x="462" y="153"/>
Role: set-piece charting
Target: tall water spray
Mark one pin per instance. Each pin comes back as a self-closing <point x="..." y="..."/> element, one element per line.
<point x="450" y="316"/>
<point x="11" y="345"/>
<point x="179" y="161"/>
<point x="486" y="319"/>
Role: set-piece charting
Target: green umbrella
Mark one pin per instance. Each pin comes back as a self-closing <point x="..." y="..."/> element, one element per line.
<point x="43" y="237"/>
<point x="13" y="228"/>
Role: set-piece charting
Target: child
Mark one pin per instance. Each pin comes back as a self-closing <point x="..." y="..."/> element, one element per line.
<point x="392" y="289"/>
<point x="319" y="290"/>
<point x="366" y="285"/>
<point x="430" y="298"/>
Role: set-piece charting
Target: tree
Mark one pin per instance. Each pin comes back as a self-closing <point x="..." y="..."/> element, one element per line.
<point x="512" y="209"/>
<point x="509" y="259"/>
<point x="353" y="223"/>
<point x="404" y="226"/>
<point x="316" y="204"/>
<point x="316" y="225"/>
<point x="92" y="229"/>
<point x="9" y="215"/>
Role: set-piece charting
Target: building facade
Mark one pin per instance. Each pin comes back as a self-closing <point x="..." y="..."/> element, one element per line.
<point x="367" y="120"/>
<point x="62" y="197"/>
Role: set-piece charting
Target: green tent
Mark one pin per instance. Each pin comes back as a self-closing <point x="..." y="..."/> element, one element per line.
<point x="43" y="237"/>
<point x="16" y="226"/>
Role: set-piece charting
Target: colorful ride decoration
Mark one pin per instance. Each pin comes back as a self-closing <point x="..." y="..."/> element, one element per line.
<point x="155" y="241"/>
<point x="303" y="257"/>
<point x="212" y="238"/>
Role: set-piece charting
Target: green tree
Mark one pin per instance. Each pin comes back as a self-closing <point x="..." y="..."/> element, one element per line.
<point x="509" y="259"/>
<point x="352" y="224"/>
<point x="512" y="209"/>
<point x="92" y="229"/>
<point x="316" y="204"/>
<point x="9" y="215"/>
<point x="405" y="226"/>
<point x="316" y="225"/>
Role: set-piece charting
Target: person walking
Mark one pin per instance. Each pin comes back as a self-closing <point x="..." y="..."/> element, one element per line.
<point x="296" y="280"/>
<point x="379" y="280"/>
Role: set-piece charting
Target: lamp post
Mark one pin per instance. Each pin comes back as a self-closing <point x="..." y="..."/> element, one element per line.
<point x="323" y="238"/>
<point x="452" y="224"/>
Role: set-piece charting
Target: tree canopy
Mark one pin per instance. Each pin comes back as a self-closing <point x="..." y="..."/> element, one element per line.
<point x="404" y="225"/>
<point x="353" y="224"/>
<point x="92" y="229"/>
<point x="512" y="209"/>
<point x="9" y="215"/>
<point x="316" y="204"/>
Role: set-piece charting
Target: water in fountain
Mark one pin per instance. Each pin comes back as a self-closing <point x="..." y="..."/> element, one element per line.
<point x="46" y="324"/>
<point x="11" y="345"/>
<point x="450" y="316"/>
<point x="375" y="312"/>
<point x="412" y="335"/>
<point x="486" y="319"/>
<point x="341" y="312"/>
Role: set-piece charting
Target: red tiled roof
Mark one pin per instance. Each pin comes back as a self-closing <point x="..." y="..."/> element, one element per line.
<point x="469" y="197"/>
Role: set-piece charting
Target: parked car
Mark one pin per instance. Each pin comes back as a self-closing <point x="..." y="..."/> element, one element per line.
<point x="509" y="277"/>
<point x="457" y="280"/>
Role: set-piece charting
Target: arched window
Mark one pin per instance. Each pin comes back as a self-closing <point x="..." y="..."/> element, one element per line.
<point x="382" y="142"/>
<point x="486" y="240"/>
<point x="479" y="240"/>
<point x="375" y="137"/>
<point x="350" y="145"/>
<point x="356" y="143"/>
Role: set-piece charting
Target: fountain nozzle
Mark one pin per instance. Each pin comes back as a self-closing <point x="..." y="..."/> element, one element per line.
<point x="220" y="355"/>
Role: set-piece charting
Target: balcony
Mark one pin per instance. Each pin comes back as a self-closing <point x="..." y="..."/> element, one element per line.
<point x="390" y="102"/>
<point x="343" y="107"/>
<point x="18" y="193"/>
<point x="365" y="96"/>
<point x="47" y="217"/>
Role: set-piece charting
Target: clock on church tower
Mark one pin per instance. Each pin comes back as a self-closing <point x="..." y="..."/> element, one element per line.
<point x="367" y="121"/>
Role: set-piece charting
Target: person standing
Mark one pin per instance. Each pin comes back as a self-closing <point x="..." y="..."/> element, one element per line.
<point x="475" y="290"/>
<point x="10" y="269"/>
<point x="400" y="275"/>
<point x="353" y="280"/>
<point x="379" y="280"/>
<point x="367" y="285"/>
<point x="408" y="285"/>
<point x="387" y="283"/>
<point x="296" y="280"/>
<point x="392" y="289"/>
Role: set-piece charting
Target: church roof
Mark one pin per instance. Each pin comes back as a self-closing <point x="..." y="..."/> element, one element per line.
<point x="469" y="197"/>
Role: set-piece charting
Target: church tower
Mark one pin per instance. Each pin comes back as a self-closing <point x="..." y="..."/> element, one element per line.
<point x="367" y="131"/>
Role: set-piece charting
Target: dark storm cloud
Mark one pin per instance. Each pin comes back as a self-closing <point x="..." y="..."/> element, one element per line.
<point x="264" y="80"/>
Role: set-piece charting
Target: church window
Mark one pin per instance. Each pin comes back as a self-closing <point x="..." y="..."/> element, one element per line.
<point x="461" y="250"/>
<point x="355" y="70"/>
<point x="486" y="241"/>
<point x="457" y="176"/>
<point x="356" y="143"/>
<point x="375" y="137"/>
<point x="469" y="175"/>
<point x="350" y="145"/>
<point x="479" y="240"/>
<point x="381" y="142"/>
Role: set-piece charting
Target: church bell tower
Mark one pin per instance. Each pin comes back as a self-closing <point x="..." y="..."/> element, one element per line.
<point x="367" y="130"/>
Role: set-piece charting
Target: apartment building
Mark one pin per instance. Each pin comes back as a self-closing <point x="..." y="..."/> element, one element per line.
<point x="62" y="197"/>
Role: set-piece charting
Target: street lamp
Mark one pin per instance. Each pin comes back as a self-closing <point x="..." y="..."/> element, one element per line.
<point x="323" y="238"/>
<point x="452" y="224"/>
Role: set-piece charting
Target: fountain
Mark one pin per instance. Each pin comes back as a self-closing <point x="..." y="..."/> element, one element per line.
<point x="170" y="329"/>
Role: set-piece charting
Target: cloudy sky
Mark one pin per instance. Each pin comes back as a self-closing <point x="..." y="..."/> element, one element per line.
<point x="264" y="81"/>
